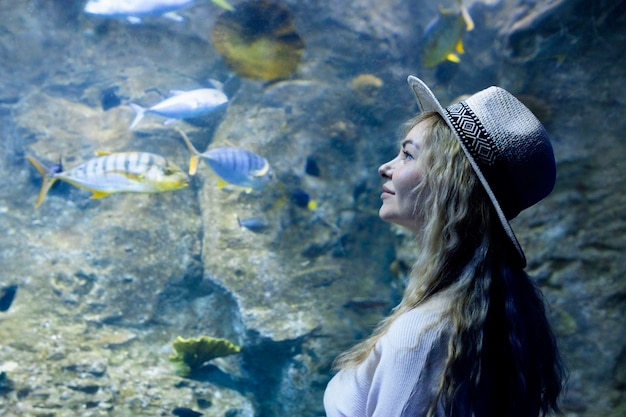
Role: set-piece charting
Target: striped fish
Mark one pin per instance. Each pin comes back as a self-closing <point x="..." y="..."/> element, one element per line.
<point x="233" y="165"/>
<point x="124" y="172"/>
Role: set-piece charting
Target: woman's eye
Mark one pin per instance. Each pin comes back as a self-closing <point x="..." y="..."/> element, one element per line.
<point x="407" y="155"/>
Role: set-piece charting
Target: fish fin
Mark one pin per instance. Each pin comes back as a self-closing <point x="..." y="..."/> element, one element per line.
<point x="261" y="172"/>
<point x="139" y="114"/>
<point x="453" y="58"/>
<point x="469" y="23"/>
<point x="221" y="183"/>
<point x="224" y="5"/>
<point x="102" y="153"/>
<point x="459" y="47"/>
<point x="173" y="16"/>
<point x="47" y="179"/>
<point x="217" y="84"/>
<point x="98" y="194"/>
<point x="134" y="20"/>
<point x="194" y="159"/>
<point x="38" y="166"/>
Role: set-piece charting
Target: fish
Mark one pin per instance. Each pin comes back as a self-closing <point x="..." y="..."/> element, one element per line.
<point x="311" y="167"/>
<point x="122" y="172"/>
<point x="443" y="37"/>
<point x="7" y="295"/>
<point x="186" y="412"/>
<point x="109" y="98"/>
<point x="254" y="224"/>
<point x="362" y="304"/>
<point x="234" y="166"/>
<point x="184" y="105"/>
<point x="302" y="199"/>
<point x="134" y="10"/>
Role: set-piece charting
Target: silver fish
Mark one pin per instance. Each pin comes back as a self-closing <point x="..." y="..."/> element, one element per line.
<point x="184" y="105"/>
<point x="124" y="172"/>
<point x="233" y="165"/>
<point x="134" y="10"/>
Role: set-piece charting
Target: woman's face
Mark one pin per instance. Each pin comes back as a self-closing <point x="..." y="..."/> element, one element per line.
<point x="401" y="175"/>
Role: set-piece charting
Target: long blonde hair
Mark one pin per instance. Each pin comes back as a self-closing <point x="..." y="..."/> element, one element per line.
<point x="496" y="306"/>
<point x="443" y="200"/>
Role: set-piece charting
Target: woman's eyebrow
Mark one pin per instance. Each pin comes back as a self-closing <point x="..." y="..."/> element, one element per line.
<point x="407" y="142"/>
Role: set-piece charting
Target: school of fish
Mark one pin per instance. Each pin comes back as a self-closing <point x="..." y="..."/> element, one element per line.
<point x="142" y="172"/>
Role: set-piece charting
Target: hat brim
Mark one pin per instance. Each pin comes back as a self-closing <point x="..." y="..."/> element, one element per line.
<point x="427" y="101"/>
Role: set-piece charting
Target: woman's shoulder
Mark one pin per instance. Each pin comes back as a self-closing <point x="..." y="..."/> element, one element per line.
<point x="426" y="322"/>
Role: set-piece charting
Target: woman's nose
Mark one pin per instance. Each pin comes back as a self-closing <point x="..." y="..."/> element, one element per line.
<point x="385" y="170"/>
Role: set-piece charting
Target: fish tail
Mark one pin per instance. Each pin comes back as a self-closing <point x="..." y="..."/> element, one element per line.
<point x="224" y="5"/>
<point x="217" y="84"/>
<point x="48" y="179"/>
<point x="194" y="158"/>
<point x="139" y="114"/>
<point x="469" y="23"/>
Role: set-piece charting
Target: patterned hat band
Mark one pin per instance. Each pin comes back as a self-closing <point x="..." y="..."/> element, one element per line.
<point x="479" y="144"/>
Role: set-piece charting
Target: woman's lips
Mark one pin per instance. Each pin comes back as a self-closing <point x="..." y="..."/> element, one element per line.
<point x="386" y="192"/>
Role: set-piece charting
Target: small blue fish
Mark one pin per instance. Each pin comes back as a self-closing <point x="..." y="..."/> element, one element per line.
<point x="7" y="294"/>
<point x="184" y="105"/>
<point x="185" y="412"/>
<point x="233" y="165"/>
<point x="254" y="224"/>
<point x="134" y="10"/>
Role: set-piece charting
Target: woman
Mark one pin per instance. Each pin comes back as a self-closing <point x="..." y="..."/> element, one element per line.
<point x="470" y="336"/>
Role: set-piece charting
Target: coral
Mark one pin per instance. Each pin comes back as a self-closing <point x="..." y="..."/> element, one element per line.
<point x="192" y="353"/>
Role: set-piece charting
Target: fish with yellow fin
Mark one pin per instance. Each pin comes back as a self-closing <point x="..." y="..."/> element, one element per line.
<point x="122" y="172"/>
<point x="443" y="37"/>
<point x="233" y="166"/>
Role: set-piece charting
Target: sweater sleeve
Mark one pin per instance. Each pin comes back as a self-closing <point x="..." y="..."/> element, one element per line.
<point x="401" y="375"/>
<point x="413" y="355"/>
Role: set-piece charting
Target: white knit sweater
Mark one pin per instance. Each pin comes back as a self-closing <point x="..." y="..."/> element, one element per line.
<point x="401" y="375"/>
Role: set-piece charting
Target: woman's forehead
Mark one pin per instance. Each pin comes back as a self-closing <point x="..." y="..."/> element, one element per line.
<point x="416" y="134"/>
